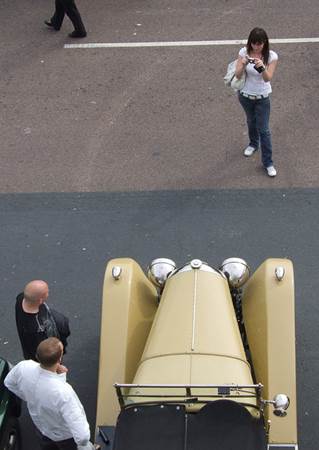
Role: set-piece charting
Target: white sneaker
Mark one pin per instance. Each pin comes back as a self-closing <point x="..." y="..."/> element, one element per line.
<point x="271" y="171"/>
<point x="249" y="150"/>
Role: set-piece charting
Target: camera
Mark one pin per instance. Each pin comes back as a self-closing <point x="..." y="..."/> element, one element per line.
<point x="259" y="69"/>
<point x="252" y="61"/>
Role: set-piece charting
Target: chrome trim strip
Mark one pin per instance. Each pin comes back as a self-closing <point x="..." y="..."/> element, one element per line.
<point x="282" y="446"/>
<point x="238" y="391"/>
<point x="197" y="386"/>
<point x="194" y="310"/>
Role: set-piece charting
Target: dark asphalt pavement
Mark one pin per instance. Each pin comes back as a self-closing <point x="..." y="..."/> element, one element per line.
<point x="67" y="239"/>
<point x="150" y="119"/>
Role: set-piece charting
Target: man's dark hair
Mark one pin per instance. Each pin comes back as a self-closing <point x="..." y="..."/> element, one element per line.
<point x="49" y="351"/>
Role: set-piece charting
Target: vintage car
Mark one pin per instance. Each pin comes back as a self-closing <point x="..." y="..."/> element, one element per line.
<point x="196" y="357"/>
<point x="9" y="413"/>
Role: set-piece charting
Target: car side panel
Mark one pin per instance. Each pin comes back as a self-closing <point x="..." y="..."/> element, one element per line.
<point x="269" y="316"/>
<point x="128" y="308"/>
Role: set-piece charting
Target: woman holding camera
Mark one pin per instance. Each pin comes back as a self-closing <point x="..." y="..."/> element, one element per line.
<point x="259" y="63"/>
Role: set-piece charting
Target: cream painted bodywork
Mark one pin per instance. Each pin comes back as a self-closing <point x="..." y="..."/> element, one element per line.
<point x="192" y="337"/>
<point x="269" y="317"/>
<point x="195" y="337"/>
<point x="128" y="309"/>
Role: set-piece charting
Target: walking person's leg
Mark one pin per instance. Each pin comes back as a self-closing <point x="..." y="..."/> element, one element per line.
<point x="249" y="108"/>
<point x="73" y="13"/>
<point x="58" y="16"/>
<point x="262" y="116"/>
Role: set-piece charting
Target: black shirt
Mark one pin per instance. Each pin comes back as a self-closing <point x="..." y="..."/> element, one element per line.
<point x="31" y="327"/>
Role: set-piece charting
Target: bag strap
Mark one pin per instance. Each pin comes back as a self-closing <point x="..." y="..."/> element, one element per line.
<point x="50" y="324"/>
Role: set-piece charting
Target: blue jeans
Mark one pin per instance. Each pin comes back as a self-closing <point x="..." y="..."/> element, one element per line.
<point x="257" y="114"/>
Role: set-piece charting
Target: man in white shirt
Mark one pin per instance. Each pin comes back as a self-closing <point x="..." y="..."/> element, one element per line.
<point x="52" y="403"/>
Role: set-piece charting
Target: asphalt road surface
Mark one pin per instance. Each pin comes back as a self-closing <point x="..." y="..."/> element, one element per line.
<point x="138" y="152"/>
<point x="150" y="118"/>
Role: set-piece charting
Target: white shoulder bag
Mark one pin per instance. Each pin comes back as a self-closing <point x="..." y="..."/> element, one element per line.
<point x="230" y="78"/>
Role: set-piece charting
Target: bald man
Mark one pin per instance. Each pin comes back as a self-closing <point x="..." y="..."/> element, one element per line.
<point x="36" y="321"/>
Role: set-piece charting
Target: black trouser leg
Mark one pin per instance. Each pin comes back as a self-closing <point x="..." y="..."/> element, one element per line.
<point x="58" y="15"/>
<point x="47" y="444"/>
<point x="73" y="14"/>
<point x="68" y="444"/>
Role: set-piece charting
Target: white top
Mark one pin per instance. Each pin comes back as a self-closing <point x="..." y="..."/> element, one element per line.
<point x="255" y="84"/>
<point x="52" y="403"/>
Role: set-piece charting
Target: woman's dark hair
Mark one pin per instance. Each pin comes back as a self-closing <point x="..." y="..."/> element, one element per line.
<point x="259" y="36"/>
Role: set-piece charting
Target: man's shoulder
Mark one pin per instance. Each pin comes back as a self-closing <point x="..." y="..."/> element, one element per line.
<point x="27" y="365"/>
<point x="19" y="299"/>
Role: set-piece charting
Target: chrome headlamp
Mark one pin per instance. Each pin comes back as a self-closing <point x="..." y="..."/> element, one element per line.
<point x="236" y="270"/>
<point x="281" y="403"/>
<point x="159" y="269"/>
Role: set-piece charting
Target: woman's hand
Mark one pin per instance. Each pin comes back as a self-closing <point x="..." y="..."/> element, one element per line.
<point x="240" y="66"/>
<point x="244" y="60"/>
<point x="258" y="63"/>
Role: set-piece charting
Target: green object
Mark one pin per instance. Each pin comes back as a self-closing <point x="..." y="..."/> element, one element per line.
<point x="9" y="412"/>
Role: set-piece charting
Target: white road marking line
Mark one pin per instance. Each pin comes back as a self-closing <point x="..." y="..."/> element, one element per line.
<point x="186" y="43"/>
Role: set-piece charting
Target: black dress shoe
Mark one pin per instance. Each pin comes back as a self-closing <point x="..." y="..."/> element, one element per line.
<point x="77" y="34"/>
<point x="51" y="25"/>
